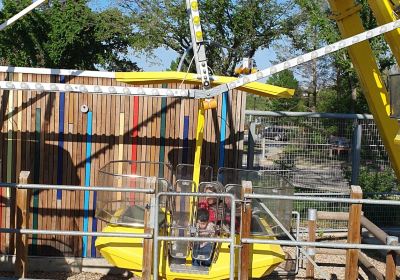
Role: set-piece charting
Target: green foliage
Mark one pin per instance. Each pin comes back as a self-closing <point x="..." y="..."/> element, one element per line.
<point x="286" y="79"/>
<point x="66" y="35"/>
<point x="283" y="79"/>
<point x="372" y="181"/>
<point x="22" y="43"/>
<point x="233" y="29"/>
<point x="329" y="100"/>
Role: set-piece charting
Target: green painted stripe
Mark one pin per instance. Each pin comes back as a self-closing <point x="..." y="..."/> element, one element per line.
<point x="10" y="135"/>
<point x="162" y="132"/>
<point x="36" y="179"/>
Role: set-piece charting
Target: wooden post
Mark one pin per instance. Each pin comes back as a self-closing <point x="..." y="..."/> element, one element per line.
<point x="391" y="258"/>
<point x="22" y="219"/>
<point x="354" y="235"/>
<point x="245" y="258"/>
<point x="148" y="228"/>
<point x="312" y="227"/>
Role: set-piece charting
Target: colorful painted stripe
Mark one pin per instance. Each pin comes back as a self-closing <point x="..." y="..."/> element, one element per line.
<point x="61" y="113"/>
<point x="10" y="138"/>
<point x="184" y="159"/>
<point x="224" y="111"/>
<point x="87" y="182"/>
<point x="162" y="133"/>
<point x="36" y="174"/>
<point x="185" y="152"/>
<point x="3" y="200"/>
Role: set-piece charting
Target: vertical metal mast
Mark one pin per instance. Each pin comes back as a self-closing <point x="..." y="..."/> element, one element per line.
<point x="199" y="49"/>
<point x="199" y="52"/>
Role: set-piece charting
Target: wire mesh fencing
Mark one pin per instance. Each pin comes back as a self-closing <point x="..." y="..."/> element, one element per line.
<point x="319" y="152"/>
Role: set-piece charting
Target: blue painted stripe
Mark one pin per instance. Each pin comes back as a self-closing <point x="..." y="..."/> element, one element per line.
<point x="87" y="183"/>
<point x="61" y="114"/>
<point x="185" y="152"/>
<point x="224" y="113"/>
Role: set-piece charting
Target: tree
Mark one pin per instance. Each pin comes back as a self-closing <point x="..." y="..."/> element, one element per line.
<point x="22" y="44"/>
<point x="311" y="29"/>
<point x="233" y="29"/>
<point x="66" y="34"/>
<point x="283" y="79"/>
<point x="286" y="79"/>
<point x="332" y="80"/>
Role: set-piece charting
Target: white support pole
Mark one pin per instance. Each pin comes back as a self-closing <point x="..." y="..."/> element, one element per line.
<point x="13" y="19"/>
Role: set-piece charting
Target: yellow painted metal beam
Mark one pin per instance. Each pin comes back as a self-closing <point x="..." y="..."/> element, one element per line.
<point x="144" y="78"/>
<point x="373" y="87"/>
<point x="383" y="12"/>
<point x="199" y="144"/>
<point x="198" y="152"/>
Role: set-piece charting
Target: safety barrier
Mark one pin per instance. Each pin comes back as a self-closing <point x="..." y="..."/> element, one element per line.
<point x="22" y="230"/>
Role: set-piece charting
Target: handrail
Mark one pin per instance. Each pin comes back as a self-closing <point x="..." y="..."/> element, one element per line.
<point x="73" y="188"/>
<point x="309" y="115"/>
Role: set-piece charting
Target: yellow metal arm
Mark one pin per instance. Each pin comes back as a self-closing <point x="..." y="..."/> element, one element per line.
<point x="371" y="81"/>
<point x="383" y="12"/>
<point x="143" y="78"/>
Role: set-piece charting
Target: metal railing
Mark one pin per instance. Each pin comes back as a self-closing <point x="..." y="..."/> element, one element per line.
<point x="155" y="214"/>
<point x="230" y="240"/>
<point x="325" y="153"/>
<point x="72" y="188"/>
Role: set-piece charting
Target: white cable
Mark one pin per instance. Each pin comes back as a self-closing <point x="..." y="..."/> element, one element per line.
<point x="63" y="72"/>
<point x="21" y="14"/>
<point x="305" y="58"/>
<point x="187" y="72"/>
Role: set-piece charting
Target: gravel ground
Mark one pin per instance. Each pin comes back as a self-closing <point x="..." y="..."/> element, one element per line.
<point x="330" y="266"/>
<point x="72" y="276"/>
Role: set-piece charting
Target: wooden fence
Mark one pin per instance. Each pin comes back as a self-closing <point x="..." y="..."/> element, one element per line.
<point x="49" y="135"/>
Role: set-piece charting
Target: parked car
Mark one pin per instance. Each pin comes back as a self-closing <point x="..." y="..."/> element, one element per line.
<point x="276" y="133"/>
<point x="340" y="142"/>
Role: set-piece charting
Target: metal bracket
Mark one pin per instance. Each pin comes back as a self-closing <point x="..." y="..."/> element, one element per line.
<point x="192" y="230"/>
<point x="152" y="208"/>
<point x="198" y="44"/>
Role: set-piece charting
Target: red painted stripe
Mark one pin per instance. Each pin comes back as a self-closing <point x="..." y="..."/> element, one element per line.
<point x="2" y="204"/>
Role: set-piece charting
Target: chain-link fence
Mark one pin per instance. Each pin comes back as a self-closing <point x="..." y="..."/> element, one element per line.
<point x="325" y="154"/>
